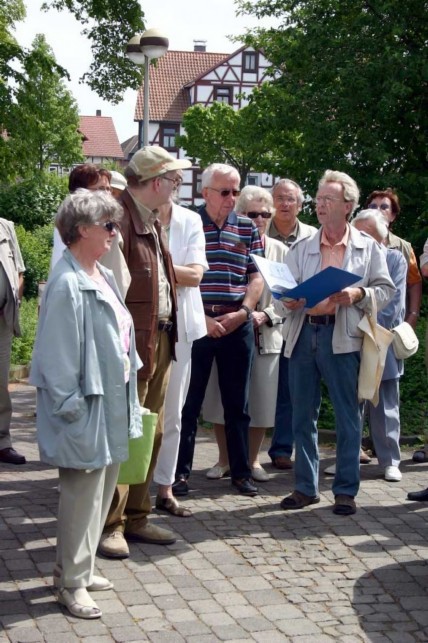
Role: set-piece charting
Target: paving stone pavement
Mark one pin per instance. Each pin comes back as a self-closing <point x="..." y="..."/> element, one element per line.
<point x="241" y="570"/>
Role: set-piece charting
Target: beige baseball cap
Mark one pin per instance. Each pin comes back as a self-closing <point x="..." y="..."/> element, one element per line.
<point x="152" y="161"/>
<point x="117" y="181"/>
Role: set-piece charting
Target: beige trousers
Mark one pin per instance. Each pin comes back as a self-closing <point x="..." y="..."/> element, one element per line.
<point x="83" y="505"/>
<point x="131" y="503"/>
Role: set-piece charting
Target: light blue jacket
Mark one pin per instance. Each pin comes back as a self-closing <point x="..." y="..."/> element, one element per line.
<point x="84" y="412"/>
<point x="363" y="257"/>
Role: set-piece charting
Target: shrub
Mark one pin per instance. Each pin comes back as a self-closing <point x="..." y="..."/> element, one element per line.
<point x="33" y="202"/>
<point x="36" y="249"/>
<point x="22" y="347"/>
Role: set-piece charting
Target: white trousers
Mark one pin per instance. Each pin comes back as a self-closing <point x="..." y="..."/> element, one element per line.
<point x="174" y="401"/>
<point x="84" y="501"/>
<point x="384" y="422"/>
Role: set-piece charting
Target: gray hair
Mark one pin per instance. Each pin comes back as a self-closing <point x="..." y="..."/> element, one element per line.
<point x="289" y="183"/>
<point x="375" y="215"/>
<point x="351" y="192"/>
<point x="85" y="208"/>
<point x="253" y="193"/>
<point x="218" y="168"/>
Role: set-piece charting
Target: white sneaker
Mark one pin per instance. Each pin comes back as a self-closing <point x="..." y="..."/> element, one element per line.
<point x="393" y="474"/>
<point x="259" y="474"/>
<point x="216" y="472"/>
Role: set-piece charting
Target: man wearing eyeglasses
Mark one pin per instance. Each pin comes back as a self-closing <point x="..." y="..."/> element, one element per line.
<point x="152" y="175"/>
<point x="230" y="291"/>
<point x="285" y="227"/>
<point x="325" y="341"/>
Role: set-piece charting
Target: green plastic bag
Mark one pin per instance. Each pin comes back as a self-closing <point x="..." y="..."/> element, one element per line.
<point x="135" y="469"/>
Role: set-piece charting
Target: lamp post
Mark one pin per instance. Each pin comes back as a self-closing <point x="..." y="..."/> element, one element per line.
<point x="141" y="49"/>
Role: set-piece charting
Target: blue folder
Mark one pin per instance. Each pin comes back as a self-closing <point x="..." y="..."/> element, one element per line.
<point x="320" y="286"/>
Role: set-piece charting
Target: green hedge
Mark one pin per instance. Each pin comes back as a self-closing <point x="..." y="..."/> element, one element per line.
<point x="36" y="249"/>
<point x="22" y="347"/>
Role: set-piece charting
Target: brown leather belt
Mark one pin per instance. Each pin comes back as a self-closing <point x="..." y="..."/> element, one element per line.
<point x="220" y="309"/>
<point x="321" y="320"/>
<point x="165" y="326"/>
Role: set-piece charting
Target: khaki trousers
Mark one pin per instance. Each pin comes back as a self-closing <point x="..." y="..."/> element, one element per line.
<point x="5" y="402"/>
<point x="131" y="503"/>
<point x="83" y="505"/>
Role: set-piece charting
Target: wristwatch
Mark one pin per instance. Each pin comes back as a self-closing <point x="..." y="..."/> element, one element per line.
<point x="247" y="310"/>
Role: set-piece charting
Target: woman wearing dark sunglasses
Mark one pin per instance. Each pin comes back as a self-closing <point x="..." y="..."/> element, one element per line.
<point x="256" y="203"/>
<point x="84" y="367"/>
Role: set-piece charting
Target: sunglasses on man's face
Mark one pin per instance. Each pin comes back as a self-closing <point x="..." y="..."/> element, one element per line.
<point x="225" y="193"/>
<point x="254" y="215"/>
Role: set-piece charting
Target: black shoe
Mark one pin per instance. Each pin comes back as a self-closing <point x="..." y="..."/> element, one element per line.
<point x="180" y="487"/>
<point x="11" y="456"/>
<point x="246" y="487"/>
<point x="419" y="496"/>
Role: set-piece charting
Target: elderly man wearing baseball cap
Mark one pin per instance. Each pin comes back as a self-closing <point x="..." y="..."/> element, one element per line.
<point x="151" y="175"/>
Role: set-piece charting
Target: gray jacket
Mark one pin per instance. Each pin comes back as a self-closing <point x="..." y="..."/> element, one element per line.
<point x="84" y="412"/>
<point x="364" y="257"/>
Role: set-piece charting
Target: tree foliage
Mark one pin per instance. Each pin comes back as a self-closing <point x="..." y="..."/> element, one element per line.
<point x="43" y="127"/>
<point x="220" y="134"/>
<point x="109" y="25"/>
<point x="351" y="84"/>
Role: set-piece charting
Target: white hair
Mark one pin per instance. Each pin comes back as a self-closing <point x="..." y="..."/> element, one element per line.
<point x="375" y="215"/>
<point x="253" y="193"/>
<point x="218" y="168"/>
<point x="289" y="183"/>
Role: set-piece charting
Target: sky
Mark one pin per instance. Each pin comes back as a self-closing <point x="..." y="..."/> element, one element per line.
<point x="182" y="21"/>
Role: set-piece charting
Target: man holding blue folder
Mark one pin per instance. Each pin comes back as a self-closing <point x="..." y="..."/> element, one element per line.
<point x="324" y="341"/>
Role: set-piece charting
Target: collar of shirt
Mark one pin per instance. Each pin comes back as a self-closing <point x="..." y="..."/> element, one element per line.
<point x="274" y="233"/>
<point x="232" y="218"/>
<point x="148" y="216"/>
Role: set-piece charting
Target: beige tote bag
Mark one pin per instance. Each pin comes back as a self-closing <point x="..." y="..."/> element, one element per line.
<point x="376" y="341"/>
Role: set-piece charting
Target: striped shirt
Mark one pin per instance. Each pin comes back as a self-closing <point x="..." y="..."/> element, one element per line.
<point x="228" y="254"/>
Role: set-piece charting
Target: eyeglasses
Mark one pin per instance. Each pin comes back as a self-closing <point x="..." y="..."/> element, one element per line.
<point x="254" y="215"/>
<point x="177" y="181"/>
<point x="109" y="226"/>
<point x="225" y="193"/>
<point x="327" y="199"/>
<point x="285" y="199"/>
<point x="382" y="206"/>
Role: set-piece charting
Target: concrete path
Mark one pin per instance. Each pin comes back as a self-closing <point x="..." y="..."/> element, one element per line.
<point x="241" y="570"/>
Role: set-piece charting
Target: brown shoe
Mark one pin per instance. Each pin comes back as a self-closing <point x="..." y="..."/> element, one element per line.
<point x="298" y="500"/>
<point x="282" y="462"/>
<point x="344" y="505"/>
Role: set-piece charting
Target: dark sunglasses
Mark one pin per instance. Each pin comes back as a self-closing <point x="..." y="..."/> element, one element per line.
<point x="110" y="226"/>
<point x="225" y="193"/>
<point x="254" y="215"/>
<point x="382" y="206"/>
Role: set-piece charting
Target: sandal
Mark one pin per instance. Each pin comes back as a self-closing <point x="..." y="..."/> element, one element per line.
<point x="298" y="500"/>
<point x="344" y="505"/>
<point x="171" y="506"/>
<point x="420" y="455"/>
<point x="79" y="603"/>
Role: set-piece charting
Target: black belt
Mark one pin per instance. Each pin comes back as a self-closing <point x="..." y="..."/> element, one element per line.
<point x="322" y="320"/>
<point x="221" y="309"/>
<point x="165" y="326"/>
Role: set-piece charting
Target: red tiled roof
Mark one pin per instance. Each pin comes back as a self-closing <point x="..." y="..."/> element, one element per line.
<point x="100" y="137"/>
<point x="168" y="97"/>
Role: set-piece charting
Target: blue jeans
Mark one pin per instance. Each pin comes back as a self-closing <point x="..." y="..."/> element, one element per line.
<point x="282" y="439"/>
<point x="234" y="355"/>
<point x="311" y="360"/>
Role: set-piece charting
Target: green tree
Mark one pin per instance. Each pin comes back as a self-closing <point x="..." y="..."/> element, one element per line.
<point x="220" y="134"/>
<point x="45" y="119"/>
<point x="351" y="82"/>
<point x="109" y="25"/>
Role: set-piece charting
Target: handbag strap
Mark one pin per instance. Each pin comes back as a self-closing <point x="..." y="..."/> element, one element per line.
<point x="372" y="314"/>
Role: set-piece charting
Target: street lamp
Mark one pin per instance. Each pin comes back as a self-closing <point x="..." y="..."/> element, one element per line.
<point x="141" y="49"/>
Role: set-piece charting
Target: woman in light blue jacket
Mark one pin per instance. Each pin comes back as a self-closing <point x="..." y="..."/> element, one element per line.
<point x="84" y="367"/>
